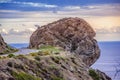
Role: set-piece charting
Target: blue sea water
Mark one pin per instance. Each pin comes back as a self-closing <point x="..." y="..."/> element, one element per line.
<point x="109" y="59"/>
<point x="19" y="45"/>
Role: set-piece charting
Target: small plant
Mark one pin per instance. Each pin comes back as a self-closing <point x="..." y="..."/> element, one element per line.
<point x="37" y="58"/>
<point x="57" y="78"/>
<point x="11" y="55"/>
<point x="20" y="56"/>
<point x="34" y="54"/>
<point x="10" y="64"/>
<point x="52" y="67"/>
<point x="94" y="75"/>
<point x="0" y="57"/>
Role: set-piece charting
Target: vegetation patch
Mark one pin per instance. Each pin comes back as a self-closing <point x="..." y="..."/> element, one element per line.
<point x="24" y="76"/>
<point x="11" y="55"/>
<point x="94" y="75"/>
<point x="50" y="49"/>
<point x="57" y="78"/>
<point x="37" y="58"/>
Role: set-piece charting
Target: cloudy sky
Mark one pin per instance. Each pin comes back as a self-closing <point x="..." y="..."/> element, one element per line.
<point x="18" y="18"/>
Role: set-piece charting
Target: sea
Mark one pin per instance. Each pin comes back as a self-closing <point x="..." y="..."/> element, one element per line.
<point x="108" y="62"/>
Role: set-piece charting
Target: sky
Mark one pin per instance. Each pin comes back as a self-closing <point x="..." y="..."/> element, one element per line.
<point x="18" y="18"/>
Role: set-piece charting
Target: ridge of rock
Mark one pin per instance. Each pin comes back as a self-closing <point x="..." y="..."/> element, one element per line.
<point x="4" y="48"/>
<point x="72" y="34"/>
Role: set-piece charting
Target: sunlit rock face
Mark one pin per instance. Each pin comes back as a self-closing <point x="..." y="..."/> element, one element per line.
<point x="72" y="34"/>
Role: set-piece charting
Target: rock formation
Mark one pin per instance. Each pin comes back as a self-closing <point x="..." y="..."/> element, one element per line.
<point x="72" y="34"/>
<point x="4" y="48"/>
<point x="77" y="51"/>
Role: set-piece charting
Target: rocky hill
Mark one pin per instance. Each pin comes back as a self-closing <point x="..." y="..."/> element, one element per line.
<point x="4" y="48"/>
<point x="66" y="50"/>
<point x="72" y="34"/>
<point x="42" y="66"/>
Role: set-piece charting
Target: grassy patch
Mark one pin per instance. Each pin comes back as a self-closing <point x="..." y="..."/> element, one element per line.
<point x="57" y="78"/>
<point x="50" y="49"/>
<point x="24" y="76"/>
<point x="94" y="75"/>
<point x="11" y="55"/>
<point x="37" y="58"/>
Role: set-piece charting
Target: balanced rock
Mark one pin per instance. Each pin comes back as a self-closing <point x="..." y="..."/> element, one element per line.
<point x="72" y="34"/>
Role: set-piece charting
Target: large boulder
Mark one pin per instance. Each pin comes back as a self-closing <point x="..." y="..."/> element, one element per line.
<point x="72" y="34"/>
<point x="4" y="48"/>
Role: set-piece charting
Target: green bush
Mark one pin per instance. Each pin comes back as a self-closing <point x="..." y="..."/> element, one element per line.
<point x="34" y="54"/>
<point x="20" y="56"/>
<point x="24" y="76"/>
<point x="37" y="58"/>
<point x="50" y="49"/>
<point x="57" y="78"/>
<point x="10" y="64"/>
<point x="94" y="75"/>
<point x="11" y="55"/>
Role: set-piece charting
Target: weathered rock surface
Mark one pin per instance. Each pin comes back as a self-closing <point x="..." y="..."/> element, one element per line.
<point x="72" y="34"/>
<point x="4" y="48"/>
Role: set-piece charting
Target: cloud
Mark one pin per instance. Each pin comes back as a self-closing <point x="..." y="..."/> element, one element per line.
<point x="115" y="29"/>
<point x="17" y="32"/>
<point x="3" y="31"/>
<point x="94" y="10"/>
<point x="5" y="1"/>
<point x="32" y="4"/>
<point x="62" y="11"/>
<point x="72" y="7"/>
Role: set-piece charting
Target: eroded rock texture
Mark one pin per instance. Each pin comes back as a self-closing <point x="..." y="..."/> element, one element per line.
<point x="72" y="34"/>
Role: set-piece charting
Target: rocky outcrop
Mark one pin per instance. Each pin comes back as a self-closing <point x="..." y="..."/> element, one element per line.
<point x="4" y="48"/>
<point x="72" y="34"/>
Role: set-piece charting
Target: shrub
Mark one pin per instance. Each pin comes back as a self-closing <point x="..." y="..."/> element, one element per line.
<point x="0" y="57"/>
<point x="37" y="58"/>
<point x="34" y="54"/>
<point x="10" y="64"/>
<point x="52" y="67"/>
<point x="94" y="75"/>
<point x="57" y="78"/>
<point x="24" y="76"/>
<point x="20" y="56"/>
<point x="11" y="55"/>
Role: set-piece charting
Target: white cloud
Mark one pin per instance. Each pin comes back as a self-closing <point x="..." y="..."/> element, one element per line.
<point x="5" y="1"/>
<point x="32" y="4"/>
<point x="3" y="31"/>
<point x="72" y="7"/>
<point x="35" y="4"/>
<point x="12" y="31"/>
